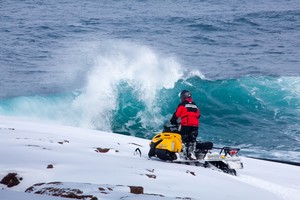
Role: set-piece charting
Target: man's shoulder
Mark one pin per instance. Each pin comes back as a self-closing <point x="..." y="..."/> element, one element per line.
<point x="182" y="103"/>
<point x="185" y="103"/>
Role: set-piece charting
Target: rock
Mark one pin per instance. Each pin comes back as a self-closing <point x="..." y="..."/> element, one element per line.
<point x="57" y="189"/>
<point x="102" y="150"/>
<point x="151" y="176"/>
<point x="50" y="166"/>
<point x="11" y="180"/>
<point x="193" y="173"/>
<point x="136" y="189"/>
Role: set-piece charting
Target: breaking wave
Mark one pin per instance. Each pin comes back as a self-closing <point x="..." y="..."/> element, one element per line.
<point x="131" y="89"/>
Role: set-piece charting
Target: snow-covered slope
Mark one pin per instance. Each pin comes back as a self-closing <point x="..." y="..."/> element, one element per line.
<point x="101" y="165"/>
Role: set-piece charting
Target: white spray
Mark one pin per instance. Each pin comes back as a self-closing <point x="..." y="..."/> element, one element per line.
<point x="137" y="65"/>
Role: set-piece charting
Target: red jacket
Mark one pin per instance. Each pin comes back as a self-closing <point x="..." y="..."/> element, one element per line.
<point x="188" y="112"/>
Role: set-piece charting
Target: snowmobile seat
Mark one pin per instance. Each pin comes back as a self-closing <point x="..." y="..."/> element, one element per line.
<point x="204" y="146"/>
<point x="170" y="129"/>
<point x="202" y="149"/>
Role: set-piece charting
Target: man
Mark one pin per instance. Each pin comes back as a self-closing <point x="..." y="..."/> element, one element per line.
<point x="189" y="114"/>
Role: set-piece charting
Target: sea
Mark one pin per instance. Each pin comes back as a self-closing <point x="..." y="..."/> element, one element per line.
<point x="118" y="66"/>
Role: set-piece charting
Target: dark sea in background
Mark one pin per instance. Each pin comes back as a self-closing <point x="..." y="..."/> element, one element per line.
<point x="119" y="65"/>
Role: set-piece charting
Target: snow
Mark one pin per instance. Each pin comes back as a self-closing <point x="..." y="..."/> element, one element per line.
<point x="28" y="147"/>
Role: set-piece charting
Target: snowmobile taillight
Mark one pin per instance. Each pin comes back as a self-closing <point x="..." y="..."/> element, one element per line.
<point x="232" y="152"/>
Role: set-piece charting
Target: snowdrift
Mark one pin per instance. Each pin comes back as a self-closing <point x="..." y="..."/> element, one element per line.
<point x="49" y="161"/>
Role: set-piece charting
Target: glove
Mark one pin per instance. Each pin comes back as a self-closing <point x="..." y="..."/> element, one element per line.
<point x="173" y="122"/>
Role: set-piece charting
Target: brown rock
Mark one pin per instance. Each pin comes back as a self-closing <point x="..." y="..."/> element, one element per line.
<point x="136" y="189"/>
<point x="151" y="176"/>
<point x="52" y="190"/>
<point x="50" y="166"/>
<point x="193" y="173"/>
<point x="102" y="150"/>
<point x="10" y="180"/>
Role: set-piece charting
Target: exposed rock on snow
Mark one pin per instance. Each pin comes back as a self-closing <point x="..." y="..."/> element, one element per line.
<point x="87" y="191"/>
<point x="102" y="150"/>
<point x="57" y="189"/>
<point x="190" y="172"/>
<point x="50" y="166"/>
<point x="151" y="176"/>
<point x="11" y="180"/>
<point x="136" y="189"/>
<point x="65" y="141"/>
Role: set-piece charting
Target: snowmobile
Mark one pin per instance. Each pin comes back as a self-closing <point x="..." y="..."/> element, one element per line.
<point x="167" y="146"/>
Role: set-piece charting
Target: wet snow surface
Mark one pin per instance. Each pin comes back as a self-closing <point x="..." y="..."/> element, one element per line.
<point x="54" y="162"/>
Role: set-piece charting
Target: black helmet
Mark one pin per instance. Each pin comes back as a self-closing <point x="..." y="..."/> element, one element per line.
<point x="185" y="94"/>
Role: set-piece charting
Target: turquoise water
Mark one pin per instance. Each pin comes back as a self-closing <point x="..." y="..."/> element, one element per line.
<point x="118" y="66"/>
<point x="258" y="114"/>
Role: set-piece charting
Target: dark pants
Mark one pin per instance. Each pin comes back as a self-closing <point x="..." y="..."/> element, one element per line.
<point x="188" y="134"/>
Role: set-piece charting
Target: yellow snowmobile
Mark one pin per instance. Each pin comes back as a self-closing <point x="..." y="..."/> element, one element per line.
<point x="168" y="146"/>
<point x="165" y="146"/>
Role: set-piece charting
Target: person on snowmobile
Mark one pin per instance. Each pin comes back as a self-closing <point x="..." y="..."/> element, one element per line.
<point x="189" y="114"/>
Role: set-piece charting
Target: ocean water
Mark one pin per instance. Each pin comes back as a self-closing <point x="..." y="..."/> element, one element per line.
<point x="119" y="66"/>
